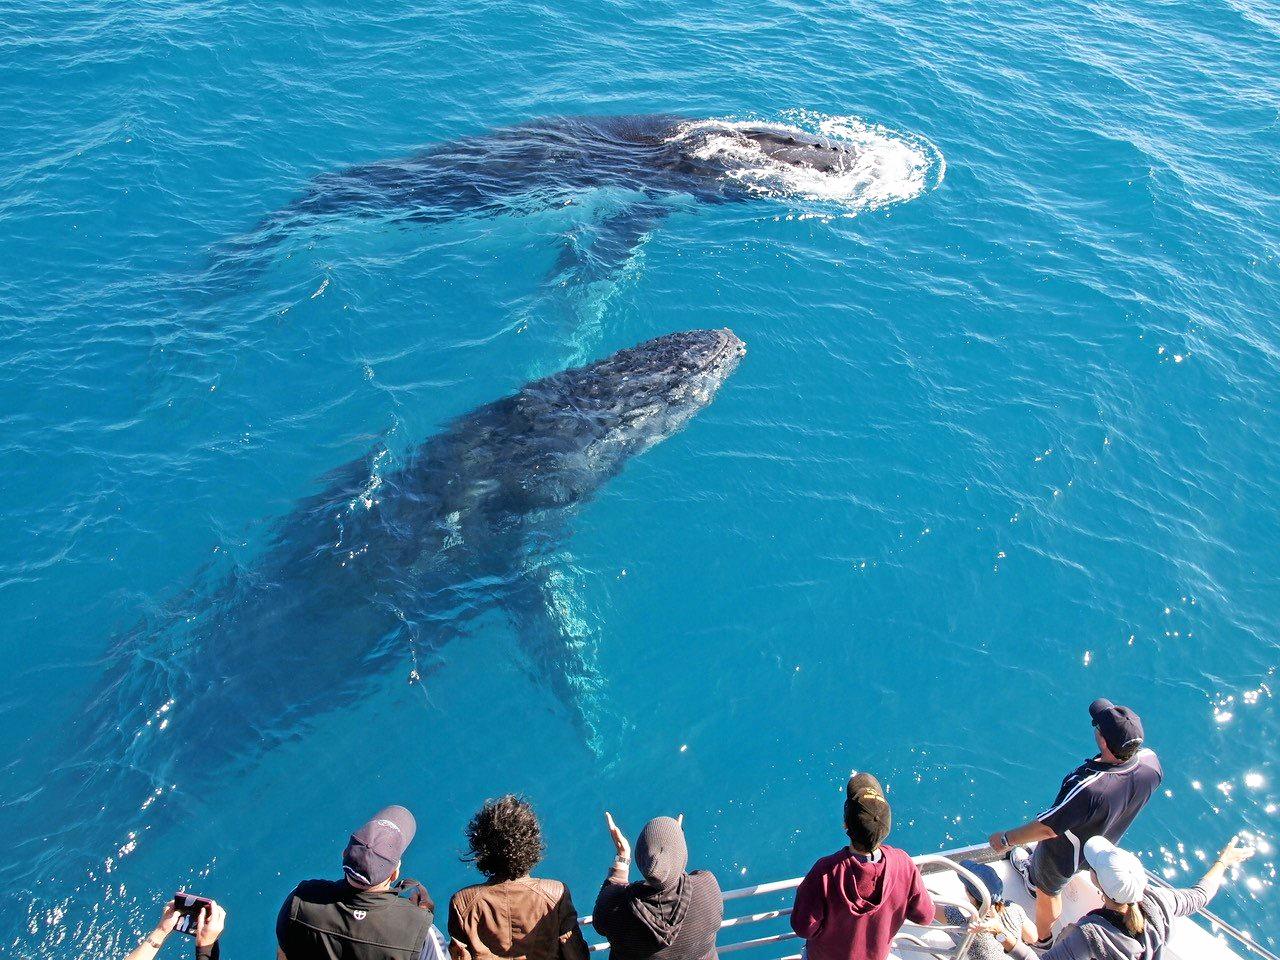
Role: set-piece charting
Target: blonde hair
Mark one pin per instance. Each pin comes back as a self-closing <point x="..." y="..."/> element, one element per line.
<point x="1134" y="920"/>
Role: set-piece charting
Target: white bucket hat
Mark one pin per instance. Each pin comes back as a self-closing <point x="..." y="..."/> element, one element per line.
<point x="1120" y="873"/>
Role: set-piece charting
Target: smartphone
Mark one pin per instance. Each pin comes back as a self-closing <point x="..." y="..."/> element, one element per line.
<point x="189" y="906"/>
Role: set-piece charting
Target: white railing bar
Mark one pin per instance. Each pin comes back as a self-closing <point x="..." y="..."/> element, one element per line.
<point x="756" y="917"/>
<point x="759" y="889"/>
<point x="762" y="888"/>
<point x="758" y="942"/>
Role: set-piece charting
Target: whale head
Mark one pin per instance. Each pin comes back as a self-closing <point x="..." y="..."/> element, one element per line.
<point x="648" y="392"/>
<point x="719" y="147"/>
<point x="582" y="425"/>
<point x="641" y="395"/>
<point x="795" y="148"/>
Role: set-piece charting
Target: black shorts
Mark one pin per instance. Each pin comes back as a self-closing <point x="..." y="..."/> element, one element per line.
<point x="1046" y="875"/>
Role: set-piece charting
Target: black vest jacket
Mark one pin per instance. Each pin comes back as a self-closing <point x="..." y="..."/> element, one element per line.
<point x="331" y="920"/>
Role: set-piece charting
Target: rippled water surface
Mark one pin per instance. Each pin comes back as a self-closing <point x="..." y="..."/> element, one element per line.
<point x="1005" y="438"/>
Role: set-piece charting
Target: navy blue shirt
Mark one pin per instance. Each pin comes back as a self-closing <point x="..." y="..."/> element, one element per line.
<point x="1098" y="799"/>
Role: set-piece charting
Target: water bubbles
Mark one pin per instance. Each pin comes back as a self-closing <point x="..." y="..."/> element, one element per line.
<point x="881" y="167"/>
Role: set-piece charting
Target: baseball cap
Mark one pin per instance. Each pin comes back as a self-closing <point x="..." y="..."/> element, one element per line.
<point x="1120" y="873"/>
<point x="1120" y="727"/>
<point x="374" y="851"/>
<point x="867" y="817"/>
<point x="989" y="878"/>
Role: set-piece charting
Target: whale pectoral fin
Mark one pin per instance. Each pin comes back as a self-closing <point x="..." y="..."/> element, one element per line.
<point x="546" y="608"/>
<point x="599" y="251"/>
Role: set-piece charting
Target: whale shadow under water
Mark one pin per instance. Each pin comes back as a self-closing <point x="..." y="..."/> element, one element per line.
<point x="374" y="574"/>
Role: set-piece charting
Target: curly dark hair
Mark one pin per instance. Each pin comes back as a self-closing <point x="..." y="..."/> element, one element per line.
<point x="505" y="838"/>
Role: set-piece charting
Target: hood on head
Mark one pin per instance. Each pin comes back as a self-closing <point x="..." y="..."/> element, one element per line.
<point x="661" y="852"/>
<point x="662" y="901"/>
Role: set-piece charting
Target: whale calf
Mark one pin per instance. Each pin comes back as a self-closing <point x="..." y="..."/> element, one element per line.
<point x="653" y="160"/>
<point x="370" y="577"/>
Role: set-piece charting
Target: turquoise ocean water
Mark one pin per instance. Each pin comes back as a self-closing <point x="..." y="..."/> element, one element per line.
<point x="1005" y="438"/>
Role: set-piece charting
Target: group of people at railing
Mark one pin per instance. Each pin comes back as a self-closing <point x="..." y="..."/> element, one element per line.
<point x="850" y="906"/>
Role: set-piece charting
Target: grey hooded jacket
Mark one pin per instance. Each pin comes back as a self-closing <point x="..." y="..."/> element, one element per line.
<point x="1094" y="937"/>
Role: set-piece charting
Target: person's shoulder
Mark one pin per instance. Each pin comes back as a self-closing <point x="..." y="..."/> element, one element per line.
<point x="1160" y="904"/>
<point x="1090" y="767"/>
<point x="554" y="890"/>
<point x="705" y="879"/>
<point x="898" y="856"/>
<point x="318" y="891"/>
<point x="467" y="896"/>
<point x="823" y="864"/>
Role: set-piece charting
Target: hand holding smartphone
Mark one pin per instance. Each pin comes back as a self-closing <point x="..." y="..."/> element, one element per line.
<point x="189" y="906"/>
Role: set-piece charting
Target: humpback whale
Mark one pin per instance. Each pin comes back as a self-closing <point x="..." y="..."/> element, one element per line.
<point x="376" y="573"/>
<point x="654" y="160"/>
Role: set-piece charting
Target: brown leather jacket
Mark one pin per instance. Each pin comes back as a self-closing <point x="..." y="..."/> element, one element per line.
<point x="525" y="919"/>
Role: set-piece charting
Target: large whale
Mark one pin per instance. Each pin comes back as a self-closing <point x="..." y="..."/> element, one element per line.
<point x="652" y="161"/>
<point x="374" y="575"/>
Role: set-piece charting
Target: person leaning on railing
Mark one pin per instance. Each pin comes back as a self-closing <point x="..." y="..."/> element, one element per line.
<point x="852" y="904"/>
<point x="209" y="924"/>
<point x="671" y="914"/>
<point x="1101" y="797"/>
<point x="1134" y="920"/>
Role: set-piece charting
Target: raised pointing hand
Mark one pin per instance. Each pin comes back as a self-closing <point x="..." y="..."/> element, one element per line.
<point x="1235" y="853"/>
<point x="619" y="840"/>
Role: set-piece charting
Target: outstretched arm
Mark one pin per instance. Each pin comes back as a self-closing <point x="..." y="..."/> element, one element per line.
<point x="1005" y="840"/>
<point x="154" y="940"/>
<point x="1183" y="903"/>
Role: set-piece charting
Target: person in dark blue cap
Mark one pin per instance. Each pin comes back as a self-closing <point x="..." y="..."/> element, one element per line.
<point x="1011" y="919"/>
<point x="1100" y="798"/>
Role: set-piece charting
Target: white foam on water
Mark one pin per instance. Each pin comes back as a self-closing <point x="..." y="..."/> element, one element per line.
<point x="881" y="166"/>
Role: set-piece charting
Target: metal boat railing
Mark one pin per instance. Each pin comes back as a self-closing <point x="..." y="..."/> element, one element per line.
<point x="909" y="941"/>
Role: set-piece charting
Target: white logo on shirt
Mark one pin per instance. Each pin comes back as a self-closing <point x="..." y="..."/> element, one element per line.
<point x="360" y="914"/>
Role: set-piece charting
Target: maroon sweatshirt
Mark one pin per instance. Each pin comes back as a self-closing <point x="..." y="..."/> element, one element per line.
<point x="849" y="910"/>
